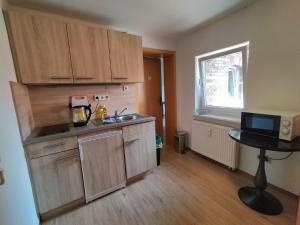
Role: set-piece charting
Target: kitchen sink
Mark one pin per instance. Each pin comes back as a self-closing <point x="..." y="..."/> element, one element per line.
<point x="118" y="119"/>
<point x="126" y="118"/>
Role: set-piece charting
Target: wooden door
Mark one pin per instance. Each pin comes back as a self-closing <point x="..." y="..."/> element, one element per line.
<point x="140" y="148"/>
<point x="170" y="91"/>
<point x="126" y="57"/>
<point x="298" y="216"/>
<point x="40" y="49"/>
<point x="89" y="54"/>
<point x="102" y="160"/>
<point x="57" y="179"/>
<point x="150" y="92"/>
<point x="170" y="98"/>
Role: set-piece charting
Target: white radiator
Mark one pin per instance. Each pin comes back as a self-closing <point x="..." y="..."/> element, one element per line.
<point x="213" y="141"/>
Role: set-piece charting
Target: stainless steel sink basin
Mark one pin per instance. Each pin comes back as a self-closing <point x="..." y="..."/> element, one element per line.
<point x="118" y="119"/>
<point x="126" y="118"/>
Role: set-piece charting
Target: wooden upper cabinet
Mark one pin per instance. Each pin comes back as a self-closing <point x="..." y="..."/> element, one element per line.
<point x="52" y="50"/>
<point x="40" y="48"/>
<point x="126" y="57"/>
<point x="89" y="53"/>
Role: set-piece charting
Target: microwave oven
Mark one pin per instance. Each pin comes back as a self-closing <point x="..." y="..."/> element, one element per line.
<point x="276" y="124"/>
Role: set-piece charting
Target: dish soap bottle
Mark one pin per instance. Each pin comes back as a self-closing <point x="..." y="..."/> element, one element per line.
<point x="101" y="112"/>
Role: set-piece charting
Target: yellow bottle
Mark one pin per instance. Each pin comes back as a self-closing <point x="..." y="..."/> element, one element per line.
<point x="101" y="112"/>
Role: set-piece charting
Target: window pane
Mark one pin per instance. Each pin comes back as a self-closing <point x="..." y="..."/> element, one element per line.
<point x="223" y="80"/>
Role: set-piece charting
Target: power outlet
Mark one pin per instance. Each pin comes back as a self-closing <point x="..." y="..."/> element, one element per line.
<point x="101" y="97"/>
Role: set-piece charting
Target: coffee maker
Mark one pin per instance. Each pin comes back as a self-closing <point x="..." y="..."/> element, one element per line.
<point x="81" y="110"/>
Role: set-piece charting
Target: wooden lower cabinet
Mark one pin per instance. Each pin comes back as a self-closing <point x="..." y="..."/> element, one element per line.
<point x="63" y="175"/>
<point x="140" y="148"/>
<point x="57" y="179"/>
<point x="102" y="161"/>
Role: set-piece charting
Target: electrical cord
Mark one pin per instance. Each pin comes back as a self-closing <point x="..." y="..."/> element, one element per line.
<point x="290" y="154"/>
<point x="96" y="106"/>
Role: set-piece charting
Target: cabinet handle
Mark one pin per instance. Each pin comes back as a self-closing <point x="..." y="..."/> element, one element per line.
<point x="131" y="141"/>
<point x="67" y="157"/>
<point x="84" y="78"/>
<point x="60" y="78"/>
<point x="120" y="78"/>
<point x="55" y="145"/>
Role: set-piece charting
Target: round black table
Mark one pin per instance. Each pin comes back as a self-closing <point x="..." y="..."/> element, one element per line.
<point x="256" y="197"/>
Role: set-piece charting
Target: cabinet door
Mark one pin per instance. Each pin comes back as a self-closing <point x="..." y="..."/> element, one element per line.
<point x="57" y="179"/>
<point x="140" y="148"/>
<point x="40" y="47"/>
<point x="203" y="138"/>
<point x="89" y="54"/>
<point x="102" y="160"/>
<point x="126" y="57"/>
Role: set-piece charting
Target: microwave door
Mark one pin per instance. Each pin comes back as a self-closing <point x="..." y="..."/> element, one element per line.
<point x="268" y="125"/>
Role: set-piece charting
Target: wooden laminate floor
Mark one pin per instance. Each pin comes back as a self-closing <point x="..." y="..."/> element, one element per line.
<point x="184" y="190"/>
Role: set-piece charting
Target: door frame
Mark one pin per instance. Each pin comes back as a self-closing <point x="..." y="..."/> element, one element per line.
<point x="170" y="89"/>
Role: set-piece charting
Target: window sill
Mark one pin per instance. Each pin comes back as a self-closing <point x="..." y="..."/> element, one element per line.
<point x="219" y="120"/>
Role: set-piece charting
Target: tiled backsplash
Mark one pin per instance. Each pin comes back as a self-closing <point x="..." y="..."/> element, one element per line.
<point x="50" y="104"/>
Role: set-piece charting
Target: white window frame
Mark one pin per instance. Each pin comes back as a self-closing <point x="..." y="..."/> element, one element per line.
<point x="200" y="107"/>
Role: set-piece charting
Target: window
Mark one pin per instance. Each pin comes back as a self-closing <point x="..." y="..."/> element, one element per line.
<point x="220" y="79"/>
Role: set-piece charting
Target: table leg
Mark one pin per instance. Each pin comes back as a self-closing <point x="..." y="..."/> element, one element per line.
<point x="256" y="197"/>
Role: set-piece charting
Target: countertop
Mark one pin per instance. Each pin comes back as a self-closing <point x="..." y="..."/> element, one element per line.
<point x="89" y="128"/>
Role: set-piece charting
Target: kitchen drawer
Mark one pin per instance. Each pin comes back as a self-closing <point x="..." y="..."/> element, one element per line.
<point x="133" y="132"/>
<point x="50" y="147"/>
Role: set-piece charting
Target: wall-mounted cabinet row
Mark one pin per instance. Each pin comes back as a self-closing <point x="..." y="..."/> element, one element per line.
<point x="48" y="50"/>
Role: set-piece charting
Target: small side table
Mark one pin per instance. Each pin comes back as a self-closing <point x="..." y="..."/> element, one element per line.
<point x="256" y="197"/>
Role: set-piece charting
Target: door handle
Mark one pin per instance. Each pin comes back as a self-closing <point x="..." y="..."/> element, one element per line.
<point x="2" y="179"/>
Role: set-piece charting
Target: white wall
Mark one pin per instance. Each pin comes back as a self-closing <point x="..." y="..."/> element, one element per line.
<point x="16" y="199"/>
<point x="273" y="79"/>
<point x="158" y="42"/>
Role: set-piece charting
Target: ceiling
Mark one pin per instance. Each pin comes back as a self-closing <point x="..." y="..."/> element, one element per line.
<point x="161" y="18"/>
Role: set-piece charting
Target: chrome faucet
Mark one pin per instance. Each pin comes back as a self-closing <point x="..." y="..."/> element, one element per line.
<point x="119" y="114"/>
